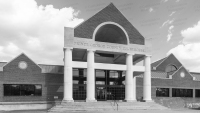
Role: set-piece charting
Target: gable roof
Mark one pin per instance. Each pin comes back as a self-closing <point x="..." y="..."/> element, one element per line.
<point x="196" y="76"/>
<point x="108" y="14"/>
<point x="159" y="62"/>
<point x="3" y="65"/>
<point x="156" y="63"/>
<point x="185" y="70"/>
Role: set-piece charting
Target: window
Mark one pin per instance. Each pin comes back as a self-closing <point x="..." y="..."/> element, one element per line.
<point x="22" y="90"/>
<point x="197" y="93"/>
<point x="170" y="68"/>
<point x="79" y="76"/>
<point x="182" y="92"/>
<point x="162" y="92"/>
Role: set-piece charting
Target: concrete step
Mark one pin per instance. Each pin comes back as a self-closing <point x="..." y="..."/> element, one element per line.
<point x="105" y="106"/>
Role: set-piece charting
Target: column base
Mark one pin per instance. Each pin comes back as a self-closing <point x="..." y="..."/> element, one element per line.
<point x="65" y="101"/>
<point x="90" y="100"/>
<point x="130" y="100"/>
<point x="148" y="100"/>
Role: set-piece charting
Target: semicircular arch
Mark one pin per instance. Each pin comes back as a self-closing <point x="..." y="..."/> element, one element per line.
<point x="106" y="31"/>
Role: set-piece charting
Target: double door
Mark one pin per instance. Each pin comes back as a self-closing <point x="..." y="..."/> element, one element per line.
<point x="109" y="85"/>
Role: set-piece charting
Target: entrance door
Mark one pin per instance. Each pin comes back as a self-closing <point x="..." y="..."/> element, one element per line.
<point x="101" y="93"/>
<point x="109" y="85"/>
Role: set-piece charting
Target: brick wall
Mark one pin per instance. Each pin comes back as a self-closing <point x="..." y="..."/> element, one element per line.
<point x="109" y="13"/>
<point x="176" y="82"/>
<point x="54" y="85"/>
<point x="12" y="74"/>
<point x="171" y="59"/>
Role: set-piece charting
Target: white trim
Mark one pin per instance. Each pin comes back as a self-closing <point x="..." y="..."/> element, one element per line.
<point x="113" y="23"/>
<point x="186" y="71"/>
<point x="162" y="61"/>
<point x="110" y="66"/>
<point x="76" y="64"/>
<point x="176" y="71"/>
<point x="153" y="77"/>
<point x="171" y="64"/>
<point x="157" y="60"/>
<point x="17" y="57"/>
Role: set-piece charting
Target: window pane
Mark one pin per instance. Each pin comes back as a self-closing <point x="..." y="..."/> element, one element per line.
<point x="22" y="90"/>
<point x="197" y="93"/>
<point x="11" y="90"/>
<point x="38" y="90"/>
<point x="182" y="92"/>
<point x="162" y="92"/>
<point x="170" y="68"/>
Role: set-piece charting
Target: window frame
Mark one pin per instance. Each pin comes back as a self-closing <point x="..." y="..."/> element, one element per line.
<point x="197" y="91"/>
<point x="158" y="94"/>
<point x="180" y="92"/>
<point x="171" y="65"/>
<point x="20" y="90"/>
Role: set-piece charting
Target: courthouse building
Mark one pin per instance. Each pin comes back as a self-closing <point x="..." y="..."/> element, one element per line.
<point x="101" y="62"/>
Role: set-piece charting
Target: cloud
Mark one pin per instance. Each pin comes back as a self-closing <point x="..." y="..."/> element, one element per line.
<point x="191" y="34"/>
<point x="172" y="13"/>
<point x="35" y="30"/>
<point x="188" y="55"/>
<point x="164" y="1"/>
<point x="168" y="22"/>
<point x="169" y="33"/>
<point x="177" y="0"/>
<point x="188" y="52"/>
<point x="151" y="9"/>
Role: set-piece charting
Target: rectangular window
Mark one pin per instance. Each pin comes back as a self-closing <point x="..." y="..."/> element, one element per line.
<point x="197" y="93"/>
<point x="22" y="90"/>
<point x="182" y="92"/>
<point x="162" y="92"/>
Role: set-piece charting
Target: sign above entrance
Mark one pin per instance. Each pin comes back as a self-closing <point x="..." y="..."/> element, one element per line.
<point x="85" y="43"/>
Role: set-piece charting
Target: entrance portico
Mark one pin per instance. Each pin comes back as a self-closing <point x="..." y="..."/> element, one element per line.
<point x="111" y="47"/>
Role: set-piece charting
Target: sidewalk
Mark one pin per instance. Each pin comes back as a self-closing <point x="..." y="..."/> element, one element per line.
<point x="127" y="111"/>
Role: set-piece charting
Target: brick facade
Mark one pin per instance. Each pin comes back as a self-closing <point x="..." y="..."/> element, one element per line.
<point x="52" y="83"/>
<point x="112" y="14"/>
<point x="12" y="74"/>
<point x="176" y="81"/>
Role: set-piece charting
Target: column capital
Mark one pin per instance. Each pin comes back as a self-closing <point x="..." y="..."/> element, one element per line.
<point x="130" y="54"/>
<point x="67" y="48"/>
<point x="148" y="55"/>
<point x="91" y="50"/>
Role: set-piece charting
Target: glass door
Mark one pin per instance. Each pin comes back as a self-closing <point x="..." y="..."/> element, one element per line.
<point x="109" y="85"/>
<point x="101" y="93"/>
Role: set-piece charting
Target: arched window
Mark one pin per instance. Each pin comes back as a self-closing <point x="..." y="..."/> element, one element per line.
<point x="111" y="33"/>
<point x="170" y="68"/>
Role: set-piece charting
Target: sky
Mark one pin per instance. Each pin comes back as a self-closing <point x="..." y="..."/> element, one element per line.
<point x="35" y="27"/>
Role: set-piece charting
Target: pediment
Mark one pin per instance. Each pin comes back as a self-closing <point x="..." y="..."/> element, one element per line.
<point x="109" y="14"/>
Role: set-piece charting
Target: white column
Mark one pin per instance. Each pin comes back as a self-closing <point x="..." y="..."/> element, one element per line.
<point x="134" y="88"/>
<point x="129" y="79"/>
<point x="90" y="95"/>
<point x="68" y="78"/>
<point x="147" y="80"/>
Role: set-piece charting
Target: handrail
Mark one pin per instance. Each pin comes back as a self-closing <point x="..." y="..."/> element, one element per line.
<point x="114" y="101"/>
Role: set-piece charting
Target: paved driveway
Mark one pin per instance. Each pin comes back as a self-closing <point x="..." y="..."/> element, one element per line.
<point x="130" y="111"/>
